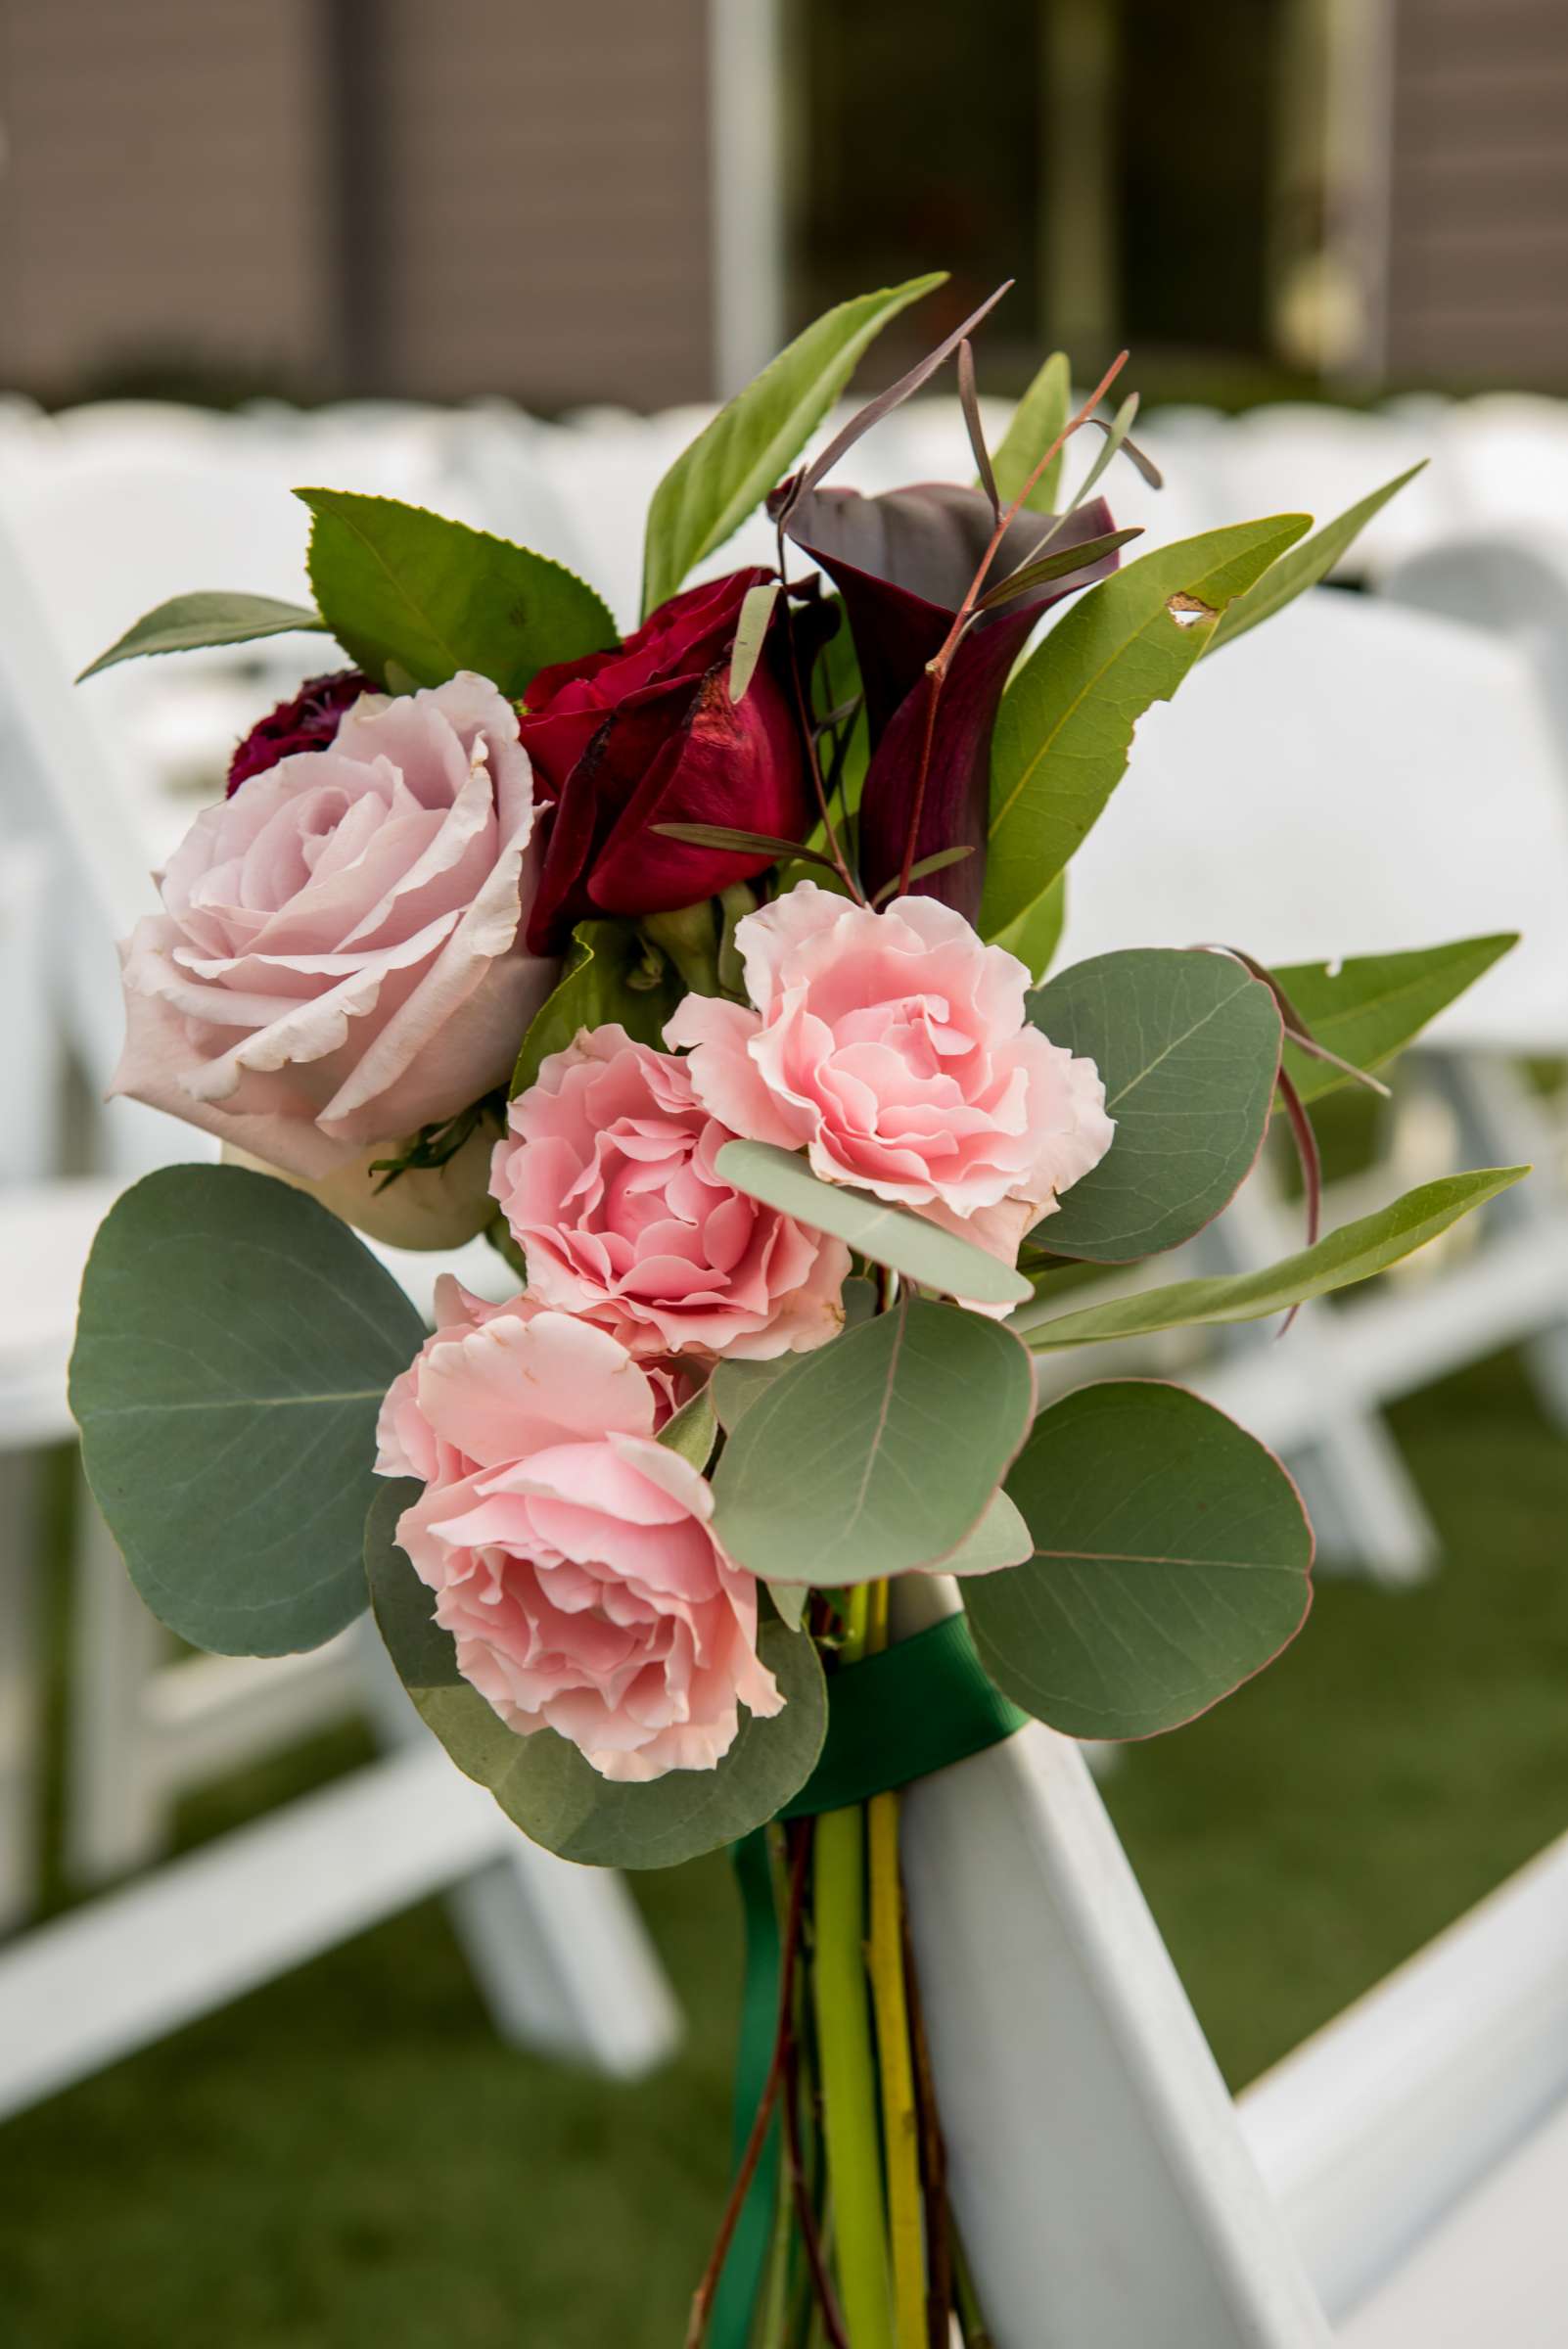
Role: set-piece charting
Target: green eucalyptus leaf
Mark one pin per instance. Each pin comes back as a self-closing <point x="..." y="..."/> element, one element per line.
<point x="876" y="1453"/>
<point x="1000" y="1539"/>
<point x="736" y="1385"/>
<point x="545" y="1786"/>
<point x="187" y="623"/>
<point x="1064" y="730"/>
<point x="888" y="1235"/>
<point x="751" y="442"/>
<point x="693" y="1430"/>
<point x="1038" y="420"/>
<point x="234" y="1344"/>
<point x="1370" y="1007"/>
<point x="1355" y="1252"/>
<point x="397" y="584"/>
<point x="610" y="975"/>
<point x="1187" y="1046"/>
<point x="1305" y="565"/>
<point x="1035" y="934"/>
<point x="1172" y="1561"/>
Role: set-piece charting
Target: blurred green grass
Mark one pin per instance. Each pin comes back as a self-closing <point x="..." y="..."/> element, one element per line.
<point x="347" y="2160"/>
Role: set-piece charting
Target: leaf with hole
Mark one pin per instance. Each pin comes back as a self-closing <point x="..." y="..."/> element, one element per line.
<point x="751" y="443"/>
<point x="1171" y="1560"/>
<point x="1065" y="727"/>
<point x="1188" y="1046"/>
<point x="233" y="1349"/>
<point x="878" y="1454"/>
<point x="188" y="622"/>
<point x="544" y="1783"/>
<point x="397" y="584"/>
<point x="886" y="1235"/>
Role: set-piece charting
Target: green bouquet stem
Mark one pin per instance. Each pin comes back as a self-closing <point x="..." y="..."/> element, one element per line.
<point x="846" y="2058"/>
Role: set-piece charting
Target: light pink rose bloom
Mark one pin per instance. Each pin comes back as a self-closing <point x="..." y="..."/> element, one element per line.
<point x="570" y="1552"/>
<point x="340" y="959"/>
<point x="894" y="1048"/>
<point x="607" y="1180"/>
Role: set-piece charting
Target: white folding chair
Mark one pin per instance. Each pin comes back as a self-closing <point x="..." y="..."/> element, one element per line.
<point x="560" y="1952"/>
<point x="1356" y="778"/>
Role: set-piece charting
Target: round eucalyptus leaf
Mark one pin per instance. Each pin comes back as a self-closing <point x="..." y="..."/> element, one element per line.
<point x="1172" y="1561"/>
<point x="1187" y="1046"/>
<point x="233" y="1348"/>
<point x="544" y="1783"/>
<point x="875" y="1454"/>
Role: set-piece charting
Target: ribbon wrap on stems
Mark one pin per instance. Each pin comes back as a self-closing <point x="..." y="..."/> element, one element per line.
<point x="894" y="1718"/>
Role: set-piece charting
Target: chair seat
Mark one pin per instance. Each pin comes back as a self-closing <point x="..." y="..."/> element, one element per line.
<point x="46" y="1230"/>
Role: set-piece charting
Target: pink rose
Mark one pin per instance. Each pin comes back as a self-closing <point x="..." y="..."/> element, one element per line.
<point x="570" y="1552"/>
<point x="606" y="1181"/>
<point x="895" y="1048"/>
<point x="341" y="957"/>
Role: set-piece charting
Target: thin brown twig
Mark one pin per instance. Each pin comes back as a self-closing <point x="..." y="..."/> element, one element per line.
<point x="703" y="2297"/>
<point x="806" y="2215"/>
<point x="932" y="2161"/>
<point x="936" y="667"/>
<point x="802" y="714"/>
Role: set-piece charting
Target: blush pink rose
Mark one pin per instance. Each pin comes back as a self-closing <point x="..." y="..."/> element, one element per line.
<point x="607" y="1180"/>
<point x="571" y="1553"/>
<point x="895" y="1049"/>
<point x="340" y="959"/>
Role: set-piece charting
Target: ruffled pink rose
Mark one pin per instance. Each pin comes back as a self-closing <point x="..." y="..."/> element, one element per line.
<point x="608" y="1183"/>
<point x="340" y="956"/>
<point x="570" y="1552"/>
<point x="895" y="1048"/>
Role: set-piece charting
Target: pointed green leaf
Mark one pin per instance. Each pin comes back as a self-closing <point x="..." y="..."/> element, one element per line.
<point x="396" y="583"/>
<point x="1310" y="563"/>
<point x="611" y="975"/>
<point x="693" y="1431"/>
<point x="877" y="1453"/>
<point x="1188" y="1046"/>
<point x="1370" y="1007"/>
<point x="751" y="442"/>
<point x="1038" y="419"/>
<point x="187" y="623"/>
<point x="1172" y="1561"/>
<point x="888" y="1235"/>
<point x="544" y="1783"/>
<point x="234" y="1344"/>
<point x="1355" y="1252"/>
<point x="1064" y="730"/>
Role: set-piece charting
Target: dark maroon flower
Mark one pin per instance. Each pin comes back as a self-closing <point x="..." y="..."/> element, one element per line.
<point x="903" y="563"/>
<point x="647" y="735"/>
<point x="308" y="722"/>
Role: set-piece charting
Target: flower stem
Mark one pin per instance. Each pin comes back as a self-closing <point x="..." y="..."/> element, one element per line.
<point x="843" y="2050"/>
<point x="901" y="2120"/>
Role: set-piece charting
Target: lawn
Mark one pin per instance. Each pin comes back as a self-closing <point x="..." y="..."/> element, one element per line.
<point x="347" y="2158"/>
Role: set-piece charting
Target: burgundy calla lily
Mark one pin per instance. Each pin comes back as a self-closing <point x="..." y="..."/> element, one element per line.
<point x="903" y="563"/>
<point x="647" y="734"/>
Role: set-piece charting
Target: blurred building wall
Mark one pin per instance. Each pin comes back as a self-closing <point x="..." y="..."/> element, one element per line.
<point x="1477" y="147"/>
<point x="430" y="197"/>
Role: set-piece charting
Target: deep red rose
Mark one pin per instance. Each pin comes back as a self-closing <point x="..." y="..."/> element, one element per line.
<point x="308" y="722"/>
<point x="647" y="735"/>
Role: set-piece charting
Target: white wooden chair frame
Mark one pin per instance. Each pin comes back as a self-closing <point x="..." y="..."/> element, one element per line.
<point x="560" y="1952"/>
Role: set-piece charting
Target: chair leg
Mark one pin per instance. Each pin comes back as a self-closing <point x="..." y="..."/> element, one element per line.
<point x="21" y="1671"/>
<point x="117" y="1816"/>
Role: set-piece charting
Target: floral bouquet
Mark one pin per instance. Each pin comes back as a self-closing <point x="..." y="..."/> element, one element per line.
<point x="705" y="974"/>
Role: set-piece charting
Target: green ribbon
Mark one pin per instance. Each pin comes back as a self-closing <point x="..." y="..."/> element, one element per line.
<point x="894" y="1718"/>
